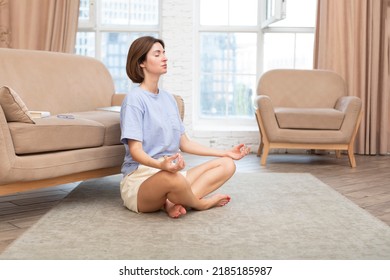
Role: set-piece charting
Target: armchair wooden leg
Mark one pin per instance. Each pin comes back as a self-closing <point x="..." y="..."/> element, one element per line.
<point x="351" y="157"/>
<point x="338" y="153"/>
<point x="351" y="154"/>
<point x="261" y="146"/>
<point x="264" y="155"/>
<point x="259" y="151"/>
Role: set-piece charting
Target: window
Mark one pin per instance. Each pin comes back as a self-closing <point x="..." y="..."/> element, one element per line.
<point x="227" y="58"/>
<point x="238" y="43"/>
<point x="228" y="73"/>
<point x="108" y="27"/>
<point x="288" y="43"/>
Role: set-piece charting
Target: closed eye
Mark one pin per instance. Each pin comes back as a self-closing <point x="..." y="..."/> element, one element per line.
<point x="158" y="53"/>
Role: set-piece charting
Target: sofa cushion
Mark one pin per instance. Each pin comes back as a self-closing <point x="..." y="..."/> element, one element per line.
<point x="56" y="134"/>
<point x="13" y="106"/>
<point x="309" y="118"/>
<point x="110" y="120"/>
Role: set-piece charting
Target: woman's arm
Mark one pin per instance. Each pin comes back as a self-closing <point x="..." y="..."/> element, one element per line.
<point x="172" y="163"/>
<point x="192" y="147"/>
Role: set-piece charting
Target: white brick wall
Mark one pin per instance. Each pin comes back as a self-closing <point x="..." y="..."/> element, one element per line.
<point x="178" y="35"/>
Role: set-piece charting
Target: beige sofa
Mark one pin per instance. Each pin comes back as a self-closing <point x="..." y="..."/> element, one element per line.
<point x="82" y="143"/>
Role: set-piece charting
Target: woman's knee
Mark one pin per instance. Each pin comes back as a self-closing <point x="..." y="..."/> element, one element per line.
<point x="228" y="165"/>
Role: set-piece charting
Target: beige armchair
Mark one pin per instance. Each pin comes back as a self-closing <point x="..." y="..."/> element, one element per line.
<point x="306" y="109"/>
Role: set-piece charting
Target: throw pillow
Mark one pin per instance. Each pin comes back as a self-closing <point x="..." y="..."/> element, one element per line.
<point x="14" y="108"/>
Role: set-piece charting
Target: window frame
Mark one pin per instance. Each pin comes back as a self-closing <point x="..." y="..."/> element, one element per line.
<point x="220" y="123"/>
<point x="279" y="14"/>
<point x="233" y="123"/>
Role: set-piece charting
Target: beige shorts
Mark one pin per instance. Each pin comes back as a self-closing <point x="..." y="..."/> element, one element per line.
<point x="130" y="184"/>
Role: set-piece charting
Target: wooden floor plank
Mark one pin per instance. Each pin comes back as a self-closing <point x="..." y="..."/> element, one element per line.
<point x="24" y="222"/>
<point x="5" y="226"/>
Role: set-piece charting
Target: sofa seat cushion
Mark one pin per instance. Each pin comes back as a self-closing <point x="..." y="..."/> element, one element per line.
<point x="56" y="134"/>
<point x="309" y="118"/>
<point x="111" y="122"/>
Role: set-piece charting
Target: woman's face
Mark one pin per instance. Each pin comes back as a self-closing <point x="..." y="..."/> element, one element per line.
<point x="156" y="61"/>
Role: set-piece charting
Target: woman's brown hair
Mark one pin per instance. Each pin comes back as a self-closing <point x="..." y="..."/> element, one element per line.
<point x="137" y="55"/>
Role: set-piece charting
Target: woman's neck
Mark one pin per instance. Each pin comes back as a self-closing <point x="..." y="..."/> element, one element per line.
<point x="151" y="86"/>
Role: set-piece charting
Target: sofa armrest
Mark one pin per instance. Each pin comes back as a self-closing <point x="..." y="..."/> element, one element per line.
<point x="117" y="99"/>
<point x="7" y="151"/>
<point x="180" y="105"/>
<point x="266" y="110"/>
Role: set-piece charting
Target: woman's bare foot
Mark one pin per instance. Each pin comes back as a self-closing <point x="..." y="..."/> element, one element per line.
<point x="174" y="210"/>
<point x="217" y="200"/>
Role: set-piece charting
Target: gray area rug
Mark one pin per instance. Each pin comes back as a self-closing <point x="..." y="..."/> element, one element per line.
<point x="271" y="216"/>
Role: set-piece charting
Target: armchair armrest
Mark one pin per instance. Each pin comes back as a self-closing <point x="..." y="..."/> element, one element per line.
<point x="266" y="111"/>
<point x="348" y="104"/>
<point x="351" y="106"/>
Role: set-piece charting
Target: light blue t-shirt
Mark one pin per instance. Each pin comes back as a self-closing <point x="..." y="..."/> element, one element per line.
<point x="152" y="119"/>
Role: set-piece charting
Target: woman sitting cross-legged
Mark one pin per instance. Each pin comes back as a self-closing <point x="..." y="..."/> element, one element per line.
<point x="153" y="134"/>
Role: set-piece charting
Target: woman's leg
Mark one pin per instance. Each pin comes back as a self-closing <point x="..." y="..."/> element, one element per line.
<point x="154" y="192"/>
<point x="209" y="176"/>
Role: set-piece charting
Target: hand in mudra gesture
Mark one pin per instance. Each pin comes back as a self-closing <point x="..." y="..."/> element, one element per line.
<point x="173" y="163"/>
<point x="238" y="152"/>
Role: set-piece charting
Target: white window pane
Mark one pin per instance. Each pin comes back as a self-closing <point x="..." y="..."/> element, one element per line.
<point x="304" y="51"/>
<point x="243" y="95"/>
<point x="213" y="98"/>
<point x="228" y="74"/>
<point x="84" y="10"/>
<point x="228" y="12"/>
<point x="126" y="12"/>
<point x="288" y="50"/>
<point x="299" y="13"/>
<point x="214" y="12"/>
<point x="227" y="95"/>
<point x="228" y="52"/>
<point x="278" y="50"/>
<point x="245" y="53"/>
<point x="85" y="44"/>
<point x="243" y="12"/>
<point x="214" y="52"/>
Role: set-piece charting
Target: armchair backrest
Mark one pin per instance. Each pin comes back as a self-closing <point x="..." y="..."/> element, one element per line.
<point x="302" y="88"/>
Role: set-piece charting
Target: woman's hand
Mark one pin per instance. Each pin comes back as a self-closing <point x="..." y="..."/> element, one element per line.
<point x="173" y="163"/>
<point x="238" y="152"/>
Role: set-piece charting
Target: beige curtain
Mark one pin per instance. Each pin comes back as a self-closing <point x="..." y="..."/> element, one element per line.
<point x="4" y="24"/>
<point x="40" y="24"/>
<point x="352" y="39"/>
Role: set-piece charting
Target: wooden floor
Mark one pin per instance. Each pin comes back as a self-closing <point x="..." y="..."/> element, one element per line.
<point x="367" y="185"/>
